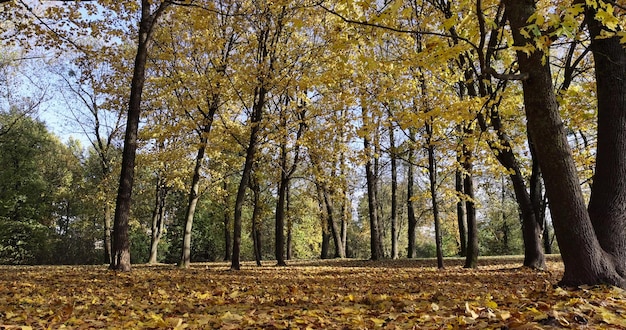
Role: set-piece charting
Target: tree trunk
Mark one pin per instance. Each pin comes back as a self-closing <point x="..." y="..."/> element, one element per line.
<point x="471" y="259"/>
<point x="608" y="195"/>
<point x="256" y="232"/>
<point x="394" y="193"/>
<point x="279" y="251"/>
<point x="158" y="219"/>
<point x="185" y="257"/>
<point x="376" y="253"/>
<point x="409" y="202"/>
<point x="121" y="244"/>
<point x="432" y="176"/>
<point x="227" y="243"/>
<point x="334" y="228"/>
<point x="107" y="233"/>
<point x="460" y="212"/>
<point x="255" y="128"/>
<point x="345" y="215"/>
<point x="585" y="261"/>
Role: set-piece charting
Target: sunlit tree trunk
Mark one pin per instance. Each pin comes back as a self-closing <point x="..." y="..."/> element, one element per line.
<point x="583" y="256"/>
<point x="194" y="195"/>
<point x="120" y="240"/>
<point x="332" y="224"/>
<point x="608" y="194"/>
<point x="158" y="219"/>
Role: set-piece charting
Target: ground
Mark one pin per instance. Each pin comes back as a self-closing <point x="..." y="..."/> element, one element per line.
<point x="333" y="294"/>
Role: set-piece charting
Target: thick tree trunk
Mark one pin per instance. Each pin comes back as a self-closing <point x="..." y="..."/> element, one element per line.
<point x="585" y="261"/>
<point x="607" y="208"/>
<point x="120" y="241"/>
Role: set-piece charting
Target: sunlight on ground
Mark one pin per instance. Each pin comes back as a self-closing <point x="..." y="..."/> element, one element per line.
<point x="351" y="294"/>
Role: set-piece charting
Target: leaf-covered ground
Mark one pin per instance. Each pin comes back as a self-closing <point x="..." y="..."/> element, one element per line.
<point x="335" y="294"/>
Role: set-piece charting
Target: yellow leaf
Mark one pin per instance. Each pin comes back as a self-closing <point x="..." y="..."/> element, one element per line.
<point x="229" y="317"/>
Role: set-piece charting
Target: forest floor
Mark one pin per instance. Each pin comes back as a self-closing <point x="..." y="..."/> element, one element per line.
<point x="329" y="294"/>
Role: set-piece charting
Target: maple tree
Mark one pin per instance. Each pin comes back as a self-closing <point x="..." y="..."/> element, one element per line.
<point x="298" y="95"/>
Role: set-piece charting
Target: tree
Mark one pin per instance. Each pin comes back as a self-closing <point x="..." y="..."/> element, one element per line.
<point x="287" y="170"/>
<point x="121" y="246"/>
<point x="268" y="24"/>
<point x="585" y="258"/>
<point x="87" y="81"/>
<point x="37" y="206"/>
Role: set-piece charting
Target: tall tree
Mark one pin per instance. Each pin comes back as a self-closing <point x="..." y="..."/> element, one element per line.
<point x="394" y="193"/>
<point x="268" y="22"/>
<point x="432" y="178"/>
<point x="121" y="245"/>
<point x="86" y="81"/>
<point x="608" y="193"/>
<point x="586" y="261"/>
<point x="287" y="170"/>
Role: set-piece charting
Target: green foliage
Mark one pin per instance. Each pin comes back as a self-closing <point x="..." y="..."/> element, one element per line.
<point x="501" y="232"/>
<point x="24" y="242"/>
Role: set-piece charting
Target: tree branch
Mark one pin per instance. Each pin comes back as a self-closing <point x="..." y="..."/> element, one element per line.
<point x="506" y="76"/>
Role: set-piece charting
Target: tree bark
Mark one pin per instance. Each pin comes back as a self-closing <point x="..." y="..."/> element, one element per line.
<point x="256" y="232"/>
<point x="409" y="202"/>
<point x="334" y="228"/>
<point x="323" y="210"/>
<point x="585" y="261"/>
<point x="608" y="195"/>
<point x="255" y="122"/>
<point x="280" y="217"/>
<point x="121" y="244"/>
<point x="286" y="172"/>
<point x="158" y="219"/>
<point x="432" y="177"/>
<point x="460" y="212"/>
<point x="226" y="220"/>
<point x="185" y="257"/>
<point x="108" y="256"/>
<point x="471" y="259"/>
<point x="376" y="253"/>
<point x="394" y="194"/>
